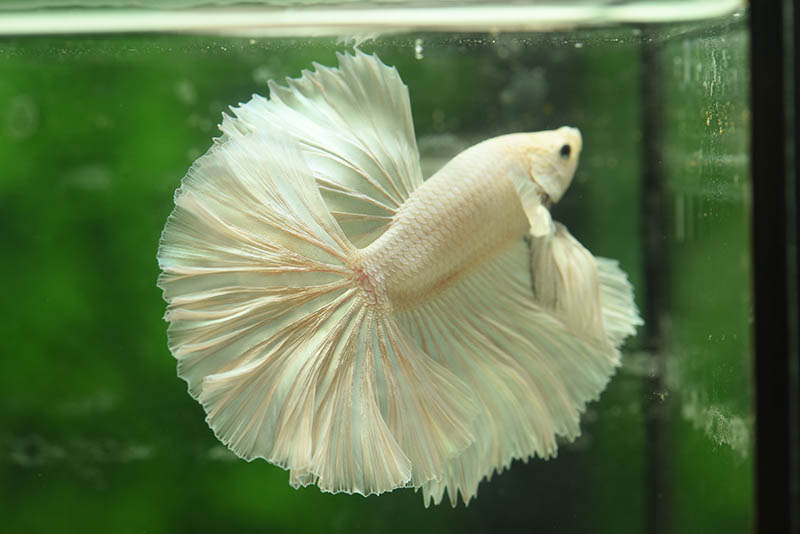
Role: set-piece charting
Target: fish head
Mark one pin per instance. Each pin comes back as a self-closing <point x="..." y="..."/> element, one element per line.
<point x="551" y="158"/>
<point x="540" y="165"/>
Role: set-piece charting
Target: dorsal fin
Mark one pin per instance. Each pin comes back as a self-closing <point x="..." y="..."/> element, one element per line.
<point x="355" y="127"/>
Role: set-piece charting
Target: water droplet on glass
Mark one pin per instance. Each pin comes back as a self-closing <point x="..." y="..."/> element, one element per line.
<point x="21" y="118"/>
<point x="418" y="49"/>
<point x="185" y="92"/>
<point x="89" y="177"/>
<point x="262" y="74"/>
<point x="438" y="120"/>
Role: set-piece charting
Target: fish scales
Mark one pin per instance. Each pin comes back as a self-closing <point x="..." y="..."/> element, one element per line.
<point x="462" y="216"/>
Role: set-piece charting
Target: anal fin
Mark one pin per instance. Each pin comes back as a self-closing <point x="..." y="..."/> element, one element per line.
<point x="620" y="314"/>
<point x="531" y="376"/>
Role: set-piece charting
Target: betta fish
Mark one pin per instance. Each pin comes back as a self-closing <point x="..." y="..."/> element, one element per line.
<point x="365" y="329"/>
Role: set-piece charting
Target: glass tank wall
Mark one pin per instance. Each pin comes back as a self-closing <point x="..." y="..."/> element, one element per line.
<point x="96" y="132"/>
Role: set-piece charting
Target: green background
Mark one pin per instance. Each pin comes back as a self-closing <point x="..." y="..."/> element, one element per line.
<point x="97" y="434"/>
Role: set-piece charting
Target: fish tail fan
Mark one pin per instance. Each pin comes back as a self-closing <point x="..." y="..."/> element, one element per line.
<point x="275" y="339"/>
<point x="249" y="246"/>
<point x="620" y="314"/>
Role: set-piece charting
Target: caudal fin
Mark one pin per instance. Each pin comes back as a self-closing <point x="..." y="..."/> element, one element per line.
<point x="274" y="339"/>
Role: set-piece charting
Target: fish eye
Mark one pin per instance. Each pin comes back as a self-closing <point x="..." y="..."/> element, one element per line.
<point x="565" y="151"/>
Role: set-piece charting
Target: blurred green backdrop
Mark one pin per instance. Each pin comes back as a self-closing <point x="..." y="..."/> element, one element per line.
<point x="97" y="434"/>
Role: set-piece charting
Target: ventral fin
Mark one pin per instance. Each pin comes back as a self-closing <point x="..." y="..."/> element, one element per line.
<point x="565" y="282"/>
<point x="591" y="296"/>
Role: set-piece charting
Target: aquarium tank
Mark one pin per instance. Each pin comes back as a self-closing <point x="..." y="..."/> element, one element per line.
<point x="105" y="104"/>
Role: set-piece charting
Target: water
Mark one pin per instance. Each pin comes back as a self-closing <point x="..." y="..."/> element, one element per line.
<point x="96" y="130"/>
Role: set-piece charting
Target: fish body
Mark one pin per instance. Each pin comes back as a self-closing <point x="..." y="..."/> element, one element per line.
<point x="460" y="217"/>
<point x="367" y="330"/>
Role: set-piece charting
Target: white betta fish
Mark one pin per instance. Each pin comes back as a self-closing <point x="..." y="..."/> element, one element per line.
<point x="367" y="330"/>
